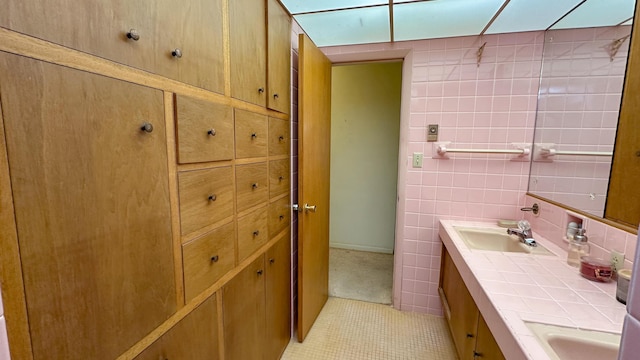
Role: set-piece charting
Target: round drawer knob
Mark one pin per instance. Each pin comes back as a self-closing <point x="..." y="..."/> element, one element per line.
<point x="260" y="90"/>
<point x="211" y="132"/>
<point x="272" y="260"/>
<point x="215" y="258"/>
<point x="281" y="138"/>
<point x="133" y="34"/>
<point x="147" y="127"/>
<point x="254" y="185"/>
<point x="176" y="53"/>
<point x="281" y="178"/>
<point x="259" y="272"/>
<point x="281" y="217"/>
<point x="212" y="197"/>
<point x="275" y="96"/>
<point x="256" y="233"/>
<point x="254" y="135"/>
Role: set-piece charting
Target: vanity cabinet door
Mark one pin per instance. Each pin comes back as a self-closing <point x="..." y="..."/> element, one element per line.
<point x="91" y="197"/>
<point x="486" y="345"/>
<point x="278" y="301"/>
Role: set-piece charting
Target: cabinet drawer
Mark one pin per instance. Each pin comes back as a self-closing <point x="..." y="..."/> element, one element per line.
<point x="279" y="138"/>
<point x="278" y="177"/>
<point x="251" y="185"/>
<point x="252" y="232"/>
<point x="205" y="130"/>
<point x="251" y="134"/>
<point x="279" y="216"/>
<point x="206" y="196"/>
<point x="207" y="258"/>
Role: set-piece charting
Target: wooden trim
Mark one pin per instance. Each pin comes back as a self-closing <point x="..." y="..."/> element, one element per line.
<point x="226" y="41"/>
<point x="585" y="214"/>
<point x="14" y="299"/>
<point x="220" y="317"/>
<point x="204" y="165"/>
<point x="169" y="117"/>
<point x="198" y="233"/>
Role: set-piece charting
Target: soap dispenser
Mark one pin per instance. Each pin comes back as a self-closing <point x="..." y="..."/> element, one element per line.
<point x="578" y="247"/>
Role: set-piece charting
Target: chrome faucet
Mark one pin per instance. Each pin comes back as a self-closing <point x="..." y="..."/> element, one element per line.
<point x="523" y="232"/>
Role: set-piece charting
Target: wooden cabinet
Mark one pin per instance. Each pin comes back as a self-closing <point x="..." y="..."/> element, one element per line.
<point x="144" y="34"/>
<point x="469" y="331"/>
<point x="195" y="337"/>
<point x="279" y="182"/>
<point x="251" y="134"/>
<point x="279" y="216"/>
<point x="279" y="137"/>
<point x="251" y="185"/>
<point x="256" y="306"/>
<point x="91" y="197"/>
<point x="279" y="57"/>
<point x="252" y="232"/>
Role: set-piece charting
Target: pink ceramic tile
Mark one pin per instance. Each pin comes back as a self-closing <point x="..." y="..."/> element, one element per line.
<point x="4" y="342"/>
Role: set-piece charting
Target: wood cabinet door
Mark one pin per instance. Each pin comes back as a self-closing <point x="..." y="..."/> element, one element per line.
<point x="486" y="345"/>
<point x="248" y="50"/>
<point x="279" y="57"/>
<point x="278" y="303"/>
<point x="195" y="337"/>
<point x="91" y="198"/>
<point x="244" y="313"/>
<point x="463" y="318"/>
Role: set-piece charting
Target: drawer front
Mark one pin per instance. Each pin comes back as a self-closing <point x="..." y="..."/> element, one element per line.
<point x="279" y="137"/>
<point x="279" y="216"/>
<point x="278" y="177"/>
<point x="206" y="196"/>
<point x="251" y="185"/>
<point x="251" y="134"/>
<point x="207" y="258"/>
<point x="205" y="130"/>
<point x="252" y="232"/>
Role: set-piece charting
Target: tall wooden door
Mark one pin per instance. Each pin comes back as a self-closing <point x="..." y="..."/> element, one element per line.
<point x="313" y="183"/>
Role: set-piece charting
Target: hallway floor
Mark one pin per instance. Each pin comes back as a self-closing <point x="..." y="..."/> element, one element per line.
<point x="357" y="330"/>
<point x="360" y="275"/>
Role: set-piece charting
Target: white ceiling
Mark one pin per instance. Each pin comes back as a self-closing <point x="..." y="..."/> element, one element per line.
<point x="347" y="22"/>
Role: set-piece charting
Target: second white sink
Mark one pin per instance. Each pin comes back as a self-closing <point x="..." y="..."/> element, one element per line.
<point x="562" y="343"/>
<point x="497" y="240"/>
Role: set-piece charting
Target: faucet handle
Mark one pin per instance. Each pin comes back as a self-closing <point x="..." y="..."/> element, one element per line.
<point x="524" y="225"/>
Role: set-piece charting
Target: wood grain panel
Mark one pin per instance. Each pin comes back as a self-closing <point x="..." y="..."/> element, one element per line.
<point x="278" y="298"/>
<point x="486" y="345"/>
<point x="244" y="313"/>
<point x="206" y="196"/>
<point x="279" y="177"/>
<point x="251" y="185"/>
<point x="251" y="134"/>
<point x="248" y="50"/>
<point x="279" y="57"/>
<point x="92" y="207"/>
<point x="279" y="137"/>
<point x="207" y="259"/>
<point x="205" y="130"/>
<point x="195" y="337"/>
<point x="279" y="216"/>
<point x="252" y="232"/>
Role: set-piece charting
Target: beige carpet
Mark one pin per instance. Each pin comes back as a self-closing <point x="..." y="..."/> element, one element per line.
<point x="356" y="330"/>
<point x="360" y="275"/>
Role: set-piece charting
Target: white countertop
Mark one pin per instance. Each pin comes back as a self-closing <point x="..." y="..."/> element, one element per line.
<point x="511" y="288"/>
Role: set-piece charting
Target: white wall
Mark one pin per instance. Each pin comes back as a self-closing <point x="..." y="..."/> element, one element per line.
<point x="365" y="130"/>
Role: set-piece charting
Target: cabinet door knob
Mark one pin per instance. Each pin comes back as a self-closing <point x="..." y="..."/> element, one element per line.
<point x="281" y="178"/>
<point x="260" y="90"/>
<point x="275" y="96"/>
<point x="476" y="354"/>
<point x="256" y="233"/>
<point x="272" y="260"/>
<point x="281" y="138"/>
<point x="147" y="127"/>
<point x="176" y="53"/>
<point x="469" y="335"/>
<point x="215" y="258"/>
<point x="281" y="217"/>
<point x="211" y="132"/>
<point x="212" y="197"/>
<point x="254" y="185"/>
<point x="133" y="34"/>
<point x="259" y="272"/>
<point x="254" y="135"/>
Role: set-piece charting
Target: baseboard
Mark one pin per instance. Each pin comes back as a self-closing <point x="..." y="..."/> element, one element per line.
<point x="360" y="248"/>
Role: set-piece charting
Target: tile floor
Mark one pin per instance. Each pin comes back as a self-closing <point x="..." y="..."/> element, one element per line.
<point x="357" y="330"/>
<point x="360" y="275"/>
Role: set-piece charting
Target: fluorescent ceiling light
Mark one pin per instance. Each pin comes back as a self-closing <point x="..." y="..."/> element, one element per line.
<point x="304" y="6"/>
<point x="595" y="13"/>
<point x="527" y="15"/>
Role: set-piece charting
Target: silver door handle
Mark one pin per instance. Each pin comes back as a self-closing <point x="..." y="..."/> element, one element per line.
<point x="309" y="208"/>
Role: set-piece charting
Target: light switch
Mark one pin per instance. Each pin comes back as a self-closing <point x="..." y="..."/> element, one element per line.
<point x="417" y="160"/>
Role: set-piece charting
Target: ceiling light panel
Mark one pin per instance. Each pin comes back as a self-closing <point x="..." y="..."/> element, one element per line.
<point x="305" y="6"/>
<point x="442" y="18"/>
<point x="595" y="13"/>
<point x="527" y="15"/>
<point x="347" y="27"/>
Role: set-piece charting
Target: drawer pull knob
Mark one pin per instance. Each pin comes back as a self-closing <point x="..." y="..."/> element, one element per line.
<point x="212" y="197"/>
<point x="281" y="178"/>
<point x="260" y="90"/>
<point x="469" y="335"/>
<point x="215" y="258"/>
<point x="476" y="354"/>
<point x="272" y="260"/>
<point x="176" y="53"/>
<point x="256" y="233"/>
<point x="211" y="132"/>
<point x="259" y="272"/>
<point x="254" y="185"/>
<point x="275" y="96"/>
<point x="254" y="135"/>
<point x="281" y="138"/>
<point x="133" y="34"/>
<point x="281" y="217"/>
<point x="147" y="127"/>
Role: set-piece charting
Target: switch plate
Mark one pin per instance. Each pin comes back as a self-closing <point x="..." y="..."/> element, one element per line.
<point x="617" y="260"/>
<point x="432" y="132"/>
<point x="417" y="160"/>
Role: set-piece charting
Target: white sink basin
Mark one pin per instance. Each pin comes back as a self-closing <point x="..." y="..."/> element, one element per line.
<point x="563" y="343"/>
<point x="496" y="240"/>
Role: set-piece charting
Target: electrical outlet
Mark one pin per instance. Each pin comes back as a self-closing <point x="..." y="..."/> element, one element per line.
<point x="617" y="260"/>
<point x="417" y="160"/>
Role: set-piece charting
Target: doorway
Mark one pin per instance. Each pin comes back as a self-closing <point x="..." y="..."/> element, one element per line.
<point x="365" y="132"/>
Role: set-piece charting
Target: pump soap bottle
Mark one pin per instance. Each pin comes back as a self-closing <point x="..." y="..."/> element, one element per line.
<point x="578" y="248"/>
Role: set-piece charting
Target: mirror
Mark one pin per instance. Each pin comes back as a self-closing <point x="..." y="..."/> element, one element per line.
<point x="581" y="82"/>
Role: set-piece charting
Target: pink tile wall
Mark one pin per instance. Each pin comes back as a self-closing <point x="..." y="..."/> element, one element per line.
<point x="477" y="106"/>
<point x="4" y="342"/>
<point x="580" y="95"/>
